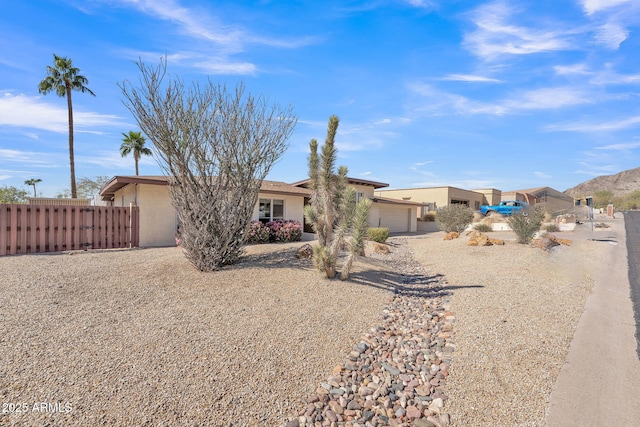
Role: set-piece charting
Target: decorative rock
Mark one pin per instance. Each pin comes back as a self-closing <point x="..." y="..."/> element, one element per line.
<point x="354" y="406"/>
<point x="380" y="248"/>
<point x="413" y="412"/>
<point x="390" y="369"/>
<point x="395" y="373"/>
<point x="305" y="252"/>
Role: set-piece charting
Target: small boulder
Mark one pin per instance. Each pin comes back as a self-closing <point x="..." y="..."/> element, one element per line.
<point x="380" y="248"/>
<point x="451" y="235"/>
<point x="305" y="252"/>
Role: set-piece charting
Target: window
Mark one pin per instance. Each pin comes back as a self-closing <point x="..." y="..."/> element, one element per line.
<point x="359" y="196"/>
<point x="270" y="210"/>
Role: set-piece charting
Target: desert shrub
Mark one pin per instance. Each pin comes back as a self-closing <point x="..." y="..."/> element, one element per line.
<point x="258" y="233"/>
<point x="482" y="227"/>
<point x="526" y="225"/>
<point x="455" y="217"/>
<point x="284" y="231"/>
<point x="379" y="234"/>
<point x="429" y="217"/>
<point x="552" y="228"/>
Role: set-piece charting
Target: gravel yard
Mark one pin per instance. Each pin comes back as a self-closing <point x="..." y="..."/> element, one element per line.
<point x="139" y="337"/>
<point x="517" y="309"/>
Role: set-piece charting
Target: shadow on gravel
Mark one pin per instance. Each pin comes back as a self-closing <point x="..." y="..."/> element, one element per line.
<point x="281" y="258"/>
<point x="416" y="285"/>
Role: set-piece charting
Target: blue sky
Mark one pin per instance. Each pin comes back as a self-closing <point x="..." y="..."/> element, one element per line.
<point x="503" y="94"/>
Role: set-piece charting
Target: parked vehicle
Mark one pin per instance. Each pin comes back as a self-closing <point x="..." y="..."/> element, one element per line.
<point x="506" y="207"/>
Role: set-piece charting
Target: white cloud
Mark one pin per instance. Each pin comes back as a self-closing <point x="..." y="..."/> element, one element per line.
<point x="620" y="147"/>
<point x="496" y="36"/>
<point x="470" y="78"/>
<point x="32" y="158"/>
<point x="542" y="175"/>
<point x="422" y="163"/>
<point x="200" y="24"/>
<point x="443" y="103"/>
<point x="549" y="99"/>
<point x="462" y="183"/>
<point x="577" y="69"/>
<point x="593" y="6"/>
<point x="612" y="78"/>
<point x="425" y="4"/>
<point x="597" y="127"/>
<point x="32" y="112"/>
<point x="611" y="35"/>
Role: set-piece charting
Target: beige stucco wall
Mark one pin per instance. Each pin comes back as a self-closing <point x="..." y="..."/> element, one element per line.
<point x="492" y="196"/>
<point x="366" y="190"/>
<point x="158" y="219"/>
<point x="441" y="196"/>
<point x="398" y="219"/>
<point x="293" y="206"/>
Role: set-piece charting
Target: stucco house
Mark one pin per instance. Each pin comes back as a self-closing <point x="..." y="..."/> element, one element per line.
<point x="276" y="200"/>
<point x="432" y="198"/>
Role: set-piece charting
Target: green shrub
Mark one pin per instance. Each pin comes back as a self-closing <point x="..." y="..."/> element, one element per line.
<point x="379" y="235"/>
<point x="526" y="225"/>
<point x="482" y="227"/>
<point x="552" y="228"/>
<point x="429" y="217"/>
<point x="455" y="217"/>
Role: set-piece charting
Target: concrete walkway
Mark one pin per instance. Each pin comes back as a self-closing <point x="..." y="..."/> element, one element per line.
<point x="599" y="384"/>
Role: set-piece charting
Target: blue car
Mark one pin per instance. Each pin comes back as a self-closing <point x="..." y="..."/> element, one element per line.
<point x="506" y="207"/>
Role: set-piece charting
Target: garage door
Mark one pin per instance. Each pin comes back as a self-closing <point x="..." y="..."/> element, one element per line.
<point x="395" y="218"/>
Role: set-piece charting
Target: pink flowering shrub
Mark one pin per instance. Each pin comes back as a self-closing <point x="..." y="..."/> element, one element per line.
<point x="258" y="233"/>
<point x="285" y="230"/>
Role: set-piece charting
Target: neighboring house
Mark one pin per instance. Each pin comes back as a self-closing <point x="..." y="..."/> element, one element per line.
<point x="276" y="200"/>
<point x="432" y="198"/>
<point x="552" y="200"/>
<point x="399" y="216"/>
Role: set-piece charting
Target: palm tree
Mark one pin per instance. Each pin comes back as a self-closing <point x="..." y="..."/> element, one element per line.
<point x="33" y="181"/>
<point x="133" y="142"/>
<point x="63" y="78"/>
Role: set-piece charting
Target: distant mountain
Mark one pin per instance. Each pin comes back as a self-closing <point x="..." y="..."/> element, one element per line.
<point x="620" y="184"/>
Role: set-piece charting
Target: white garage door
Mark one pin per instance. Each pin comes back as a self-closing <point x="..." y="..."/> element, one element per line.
<point x="395" y="218"/>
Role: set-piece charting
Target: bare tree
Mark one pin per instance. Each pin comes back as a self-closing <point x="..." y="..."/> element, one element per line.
<point x="335" y="216"/>
<point x="216" y="147"/>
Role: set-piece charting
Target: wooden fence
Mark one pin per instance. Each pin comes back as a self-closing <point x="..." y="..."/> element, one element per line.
<point x="46" y="228"/>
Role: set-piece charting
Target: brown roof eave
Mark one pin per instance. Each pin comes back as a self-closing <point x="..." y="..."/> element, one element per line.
<point x="117" y="182"/>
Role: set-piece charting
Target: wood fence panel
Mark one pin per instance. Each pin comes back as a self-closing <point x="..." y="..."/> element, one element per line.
<point x="33" y="230"/>
<point x="42" y="230"/>
<point x="49" y="228"/>
<point x="4" y="229"/>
